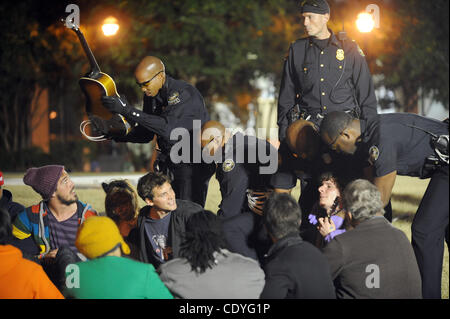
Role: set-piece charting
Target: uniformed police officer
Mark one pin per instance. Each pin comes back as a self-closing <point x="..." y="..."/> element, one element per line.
<point x="168" y="104"/>
<point x="404" y="144"/>
<point x="322" y="73"/>
<point x="244" y="179"/>
<point x="301" y="158"/>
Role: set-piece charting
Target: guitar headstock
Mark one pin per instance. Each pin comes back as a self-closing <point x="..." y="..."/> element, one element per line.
<point x="70" y="24"/>
<point x="72" y="21"/>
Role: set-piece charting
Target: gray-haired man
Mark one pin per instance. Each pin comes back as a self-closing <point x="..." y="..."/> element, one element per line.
<point x="373" y="259"/>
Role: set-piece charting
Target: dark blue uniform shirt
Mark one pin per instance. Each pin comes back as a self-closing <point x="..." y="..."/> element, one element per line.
<point x="177" y="104"/>
<point x="239" y="171"/>
<point x="325" y="78"/>
<point x="344" y="167"/>
<point x="389" y="144"/>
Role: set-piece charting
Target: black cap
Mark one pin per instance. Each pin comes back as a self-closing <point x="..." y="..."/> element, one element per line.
<point x="315" y="6"/>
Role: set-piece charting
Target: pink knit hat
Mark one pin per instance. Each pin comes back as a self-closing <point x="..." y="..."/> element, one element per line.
<point x="43" y="179"/>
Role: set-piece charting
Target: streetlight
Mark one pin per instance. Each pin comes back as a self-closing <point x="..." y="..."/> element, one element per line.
<point x="365" y="22"/>
<point x="110" y="26"/>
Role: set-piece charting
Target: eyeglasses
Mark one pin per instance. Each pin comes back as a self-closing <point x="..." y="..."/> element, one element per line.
<point x="142" y="84"/>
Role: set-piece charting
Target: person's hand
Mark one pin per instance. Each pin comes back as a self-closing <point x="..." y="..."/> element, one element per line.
<point x="326" y="226"/>
<point x="256" y="201"/>
<point x="50" y="256"/>
<point x="99" y="125"/>
<point x="116" y="105"/>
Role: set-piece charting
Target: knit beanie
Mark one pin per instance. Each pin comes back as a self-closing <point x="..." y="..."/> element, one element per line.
<point x="43" y="179"/>
<point x="315" y="6"/>
<point x="98" y="236"/>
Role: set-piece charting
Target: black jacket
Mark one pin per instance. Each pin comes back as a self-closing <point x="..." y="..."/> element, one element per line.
<point x="11" y="207"/>
<point x="178" y="220"/>
<point x="296" y="269"/>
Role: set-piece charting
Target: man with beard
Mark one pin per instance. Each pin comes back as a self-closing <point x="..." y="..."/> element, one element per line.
<point x="52" y="224"/>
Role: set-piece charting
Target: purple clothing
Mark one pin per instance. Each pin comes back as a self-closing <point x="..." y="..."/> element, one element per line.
<point x="338" y="222"/>
<point x="63" y="234"/>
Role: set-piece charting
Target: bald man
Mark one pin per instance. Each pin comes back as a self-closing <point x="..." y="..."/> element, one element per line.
<point x="303" y="157"/>
<point x="168" y="104"/>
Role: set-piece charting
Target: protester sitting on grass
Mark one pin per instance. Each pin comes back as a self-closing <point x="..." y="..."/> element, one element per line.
<point x="161" y="223"/>
<point x="294" y="268"/>
<point x="19" y="277"/>
<point x="206" y="269"/>
<point x="6" y="201"/>
<point x="48" y="229"/>
<point x="121" y="205"/>
<point x="13" y="208"/>
<point x="327" y="216"/>
<point x="107" y="275"/>
<point x="373" y="259"/>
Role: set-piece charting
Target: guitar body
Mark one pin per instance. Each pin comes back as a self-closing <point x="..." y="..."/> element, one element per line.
<point x="94" y="88"/>
<point x="96" y="83"/>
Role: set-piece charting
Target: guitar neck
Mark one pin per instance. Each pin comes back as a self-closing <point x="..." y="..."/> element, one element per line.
<point x="87" y="50"/>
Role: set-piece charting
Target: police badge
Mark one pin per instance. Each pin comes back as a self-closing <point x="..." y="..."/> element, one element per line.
<point x="228" y="165"/>
<point x="374" y="153"/>
<point x="174" y="98"/>
<point x="340" y="54"/>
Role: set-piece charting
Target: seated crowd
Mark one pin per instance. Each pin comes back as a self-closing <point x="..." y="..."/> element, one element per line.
<point x="62" y="247"/>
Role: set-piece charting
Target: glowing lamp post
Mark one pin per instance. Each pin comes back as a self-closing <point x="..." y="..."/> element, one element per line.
<point x="110" y="26"/>
<point x="365" y="22"/>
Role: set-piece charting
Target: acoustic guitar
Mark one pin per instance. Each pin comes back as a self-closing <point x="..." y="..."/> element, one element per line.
<point x="95" y="83"/>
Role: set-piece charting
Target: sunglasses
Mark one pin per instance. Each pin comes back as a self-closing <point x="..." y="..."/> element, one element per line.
<point x="142" y="84"/>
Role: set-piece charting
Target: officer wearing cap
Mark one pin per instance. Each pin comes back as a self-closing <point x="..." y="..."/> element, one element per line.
<point x="244" y="179"/>
<point x="168" y="104"/>
<point x="410" y="145"/>
<point x="323" y="73"/>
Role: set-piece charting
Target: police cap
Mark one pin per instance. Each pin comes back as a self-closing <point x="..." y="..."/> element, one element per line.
<point x="315" y="6"/>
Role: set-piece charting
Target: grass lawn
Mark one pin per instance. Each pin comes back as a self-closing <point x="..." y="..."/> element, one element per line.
<point x="406" y="197"/>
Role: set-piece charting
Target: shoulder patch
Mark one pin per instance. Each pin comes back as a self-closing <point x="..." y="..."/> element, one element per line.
<point x="374" y="153"/>
<point x="174" y="98"/>
<point x="228" y="165"/>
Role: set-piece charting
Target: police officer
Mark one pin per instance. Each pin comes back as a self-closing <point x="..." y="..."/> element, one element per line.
<point x="301" y="158"/>
<point x="244" y="167"/>
<point x="411" y="145"/>
<point x="168" y="104"/>
<point x="322" y="73"/>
